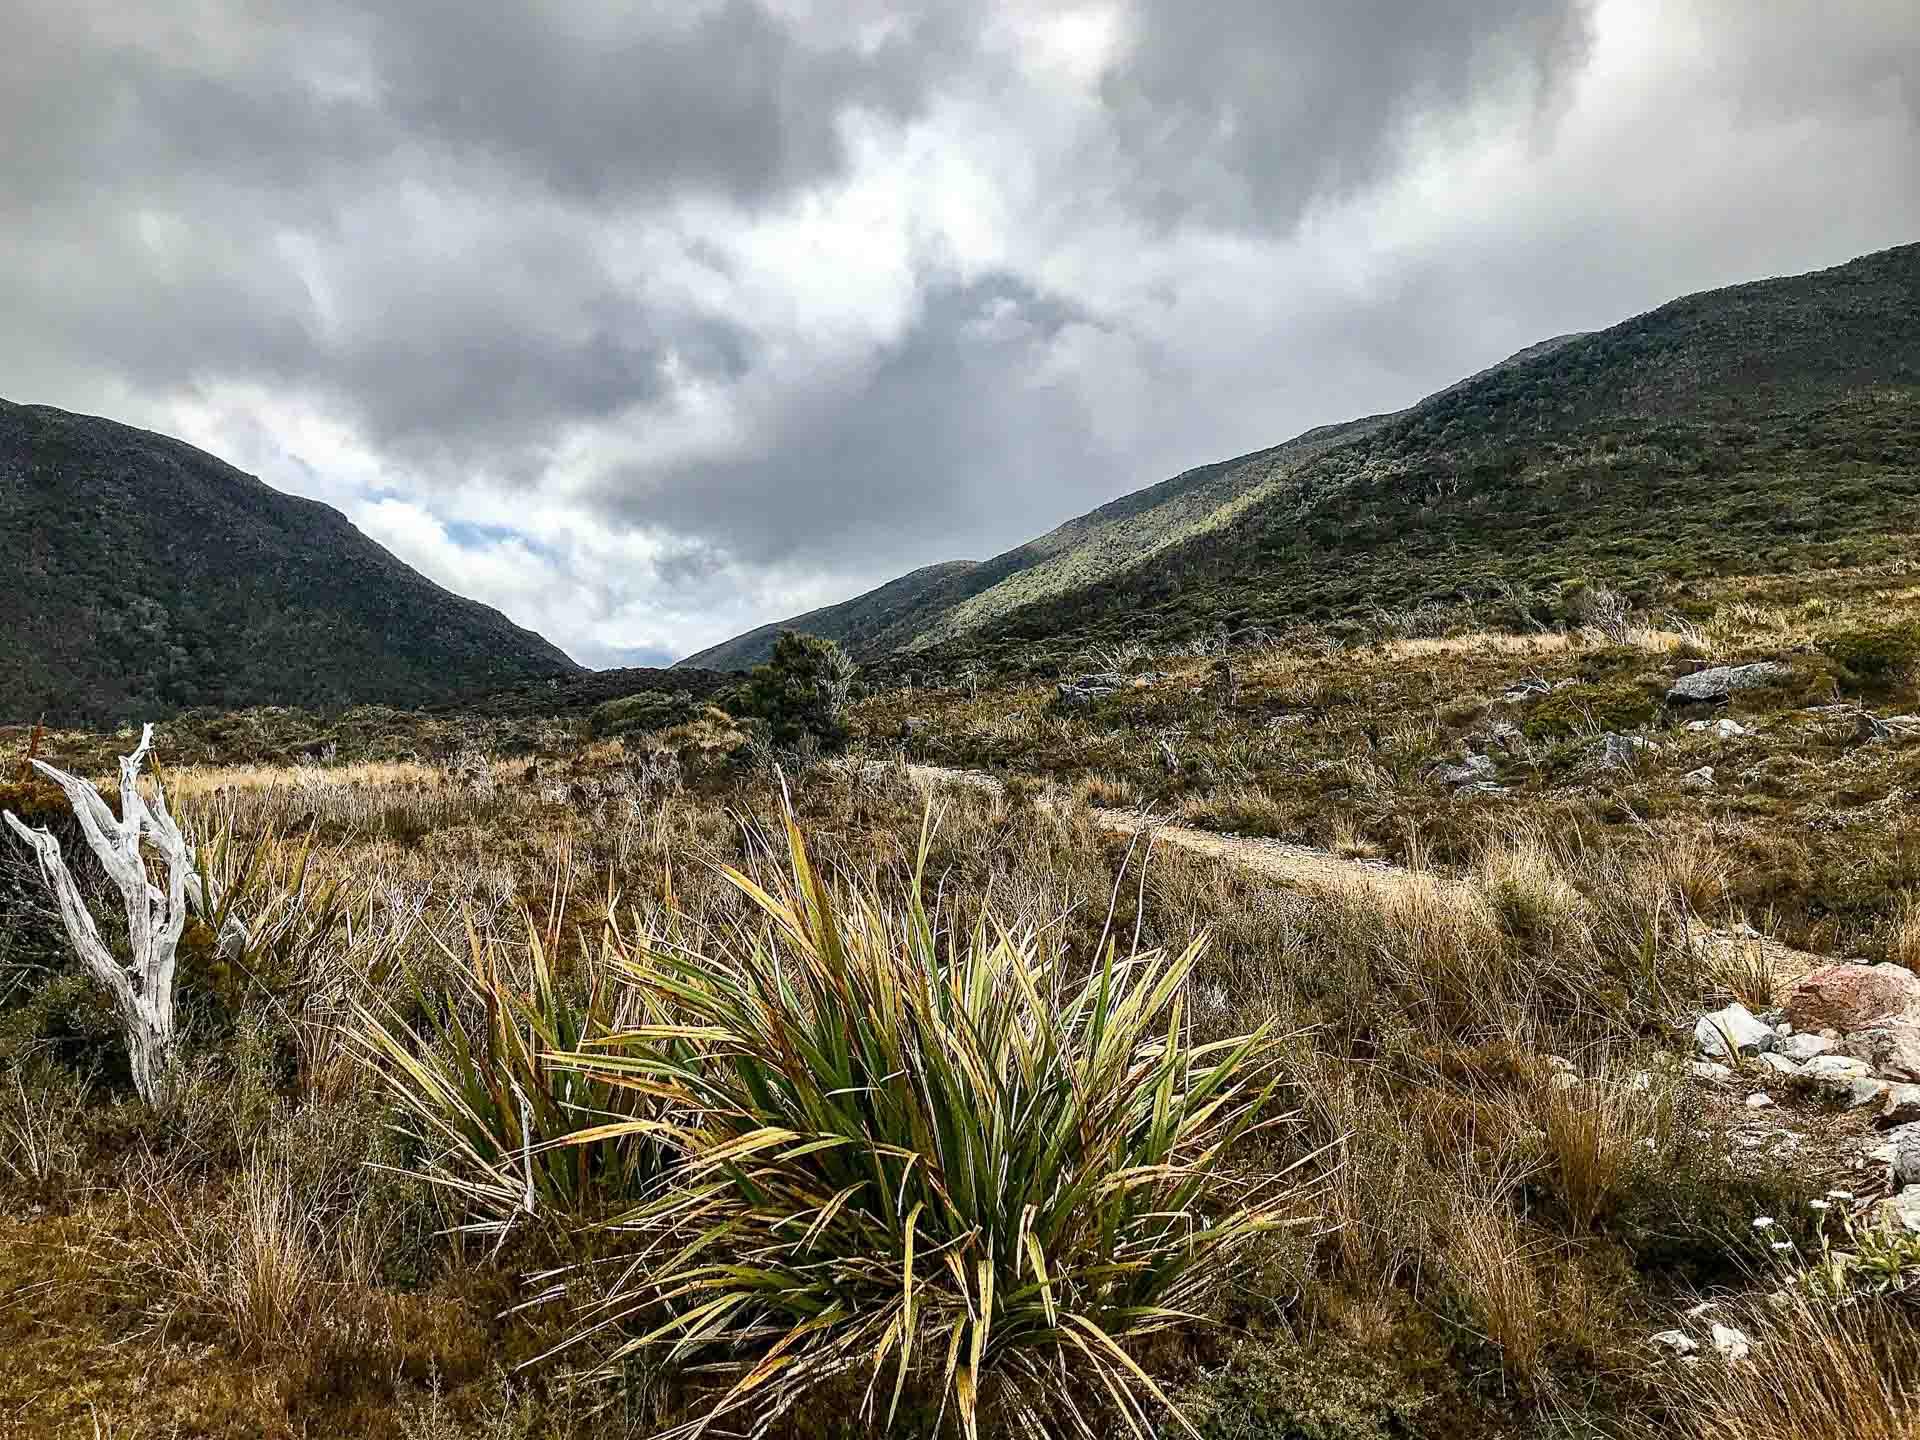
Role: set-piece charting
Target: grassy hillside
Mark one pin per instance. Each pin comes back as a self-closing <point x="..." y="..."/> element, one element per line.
<point x="1762" y="428"/>
<point x="148" y="576"/>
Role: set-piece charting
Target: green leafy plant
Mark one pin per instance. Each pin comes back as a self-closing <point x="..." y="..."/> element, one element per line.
<point x="802" y="691"/>
<point x="495" y="1123"/>
<point x="924" y="1154"/>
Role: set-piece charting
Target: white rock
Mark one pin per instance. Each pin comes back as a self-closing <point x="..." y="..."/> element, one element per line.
<point x="1900" y="1212"/>
<point x="1759" y="1100"/>
<point x="1732" y="1344"/>
<point x="1836" y="1067"/>
<point x="1779" y="1063"/>
<point x="1677" y="1342"/>
<point x="1561" y="1063"/>
<point x="1711" y="1032"/>
<point x="1702" y="1308"/>
<point x="1564" y="1081"/>
<point x="1803" y="1047"/>
<point x="1709" y="1070"/>
<point x="1701" y="779"/>
<point x="1640" y="1080"/>
<point x="1858" y="1091"/>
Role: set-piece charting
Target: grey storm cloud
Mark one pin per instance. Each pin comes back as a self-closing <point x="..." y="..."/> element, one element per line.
<point x="950" y="431"/>
<point x="679" y="268"/>
<point x="1249" y="110"/>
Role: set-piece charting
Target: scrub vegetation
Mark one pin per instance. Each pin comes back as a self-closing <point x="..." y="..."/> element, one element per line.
<point x="613" y="1078"/>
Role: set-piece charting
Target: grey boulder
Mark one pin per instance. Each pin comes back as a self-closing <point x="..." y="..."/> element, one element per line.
<point x="1717" y="683"/>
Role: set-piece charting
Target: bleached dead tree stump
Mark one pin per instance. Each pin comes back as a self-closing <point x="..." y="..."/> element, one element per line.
<point x="142" y="985"/>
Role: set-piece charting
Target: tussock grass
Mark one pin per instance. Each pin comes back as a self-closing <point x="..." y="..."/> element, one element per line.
<point x="1821" y="1370"/>
<point x="915" y="1153"/>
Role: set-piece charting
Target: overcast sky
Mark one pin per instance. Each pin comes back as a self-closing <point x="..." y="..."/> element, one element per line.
<point x="649" y="322"/>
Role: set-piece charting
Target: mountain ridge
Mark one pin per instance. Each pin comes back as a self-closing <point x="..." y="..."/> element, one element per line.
<point x="1631" y="426"/>
<point x="151" y="576"/>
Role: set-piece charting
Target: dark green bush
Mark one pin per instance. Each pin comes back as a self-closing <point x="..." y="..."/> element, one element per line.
<point x="1573" y="709"/>
<point x="1875" y="655"/>
<point x="802" y="691"/>
<point x="639" y="714"/>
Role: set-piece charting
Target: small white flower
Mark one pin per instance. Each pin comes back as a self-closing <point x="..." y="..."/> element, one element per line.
<point x="1817" y="1205"/>
<point x="1763" y="1222"/>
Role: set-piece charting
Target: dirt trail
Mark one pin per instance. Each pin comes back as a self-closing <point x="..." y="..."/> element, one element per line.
<point x="1299" y="866"/>
<point x="1303" y="867"/>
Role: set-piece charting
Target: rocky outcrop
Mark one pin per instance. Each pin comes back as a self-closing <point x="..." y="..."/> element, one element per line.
<point x="1714" y="686"/>
<point x="1850" y="998"/>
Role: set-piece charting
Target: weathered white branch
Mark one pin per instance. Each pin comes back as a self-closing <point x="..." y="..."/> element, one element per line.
<point x="141" y="986"/>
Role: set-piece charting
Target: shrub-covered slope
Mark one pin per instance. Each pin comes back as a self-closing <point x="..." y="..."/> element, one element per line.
<point x="1759" y="428"/>
<point x="148" y="576"/>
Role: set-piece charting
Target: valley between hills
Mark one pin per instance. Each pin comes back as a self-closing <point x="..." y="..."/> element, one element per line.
<point x="1414" y="932"/>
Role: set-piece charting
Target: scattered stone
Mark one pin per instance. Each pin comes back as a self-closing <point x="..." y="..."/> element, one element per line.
<point x="1759" y="1100"/>
<point x="1801" y="1048"/>
<point x="1709" y="1070"/>
<point x="1901" y="1105"/>
<point x="1565" y="1080"/>
<point x="1712" y="1033"/>
<point x="1701" y="779"/>
<point x="1860" y="1091"/>
<point x="1835" y="1067"/>
<point x="1619" y="752"/>
<point x="1474" y="768"/>
<point x="1733" y="1345"/>
<point x="1676" y="1342"/>
<point x="1725" y="728"/>
<point x="1870" y="729"/>
<point x="1853" y="997"/>
<point x="1089" y="688"/>
<point x="1717" y="683"/>
<point x="1906" y="1153"/>
<point x="1900" y="1212"/>
<point x="1504" y="737"/>
<point x="1779" y="1063"/>
<point x="1527" y="689"/>
<point x="1890" y="1051"/>
<point x="1879" y="1155"/>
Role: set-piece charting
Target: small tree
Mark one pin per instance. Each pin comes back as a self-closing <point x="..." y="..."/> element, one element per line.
<point x="802" y="692"/>
<point x="142" y="986"/>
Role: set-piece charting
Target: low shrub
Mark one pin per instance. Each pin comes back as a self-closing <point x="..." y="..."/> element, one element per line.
<point x="1282" y="1390"/>
<point x="1588" y="708"/>
<point x="1875" y="656"/>
<point x="639" y="714"/>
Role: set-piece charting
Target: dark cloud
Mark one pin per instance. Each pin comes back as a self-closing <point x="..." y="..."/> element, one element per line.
<point x="1249" y="110"/>
<point x="950" y="434"/>
<point x="742" y="303"/>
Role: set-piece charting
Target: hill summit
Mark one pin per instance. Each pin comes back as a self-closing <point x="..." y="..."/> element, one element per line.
<point x="149" y="576"/>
